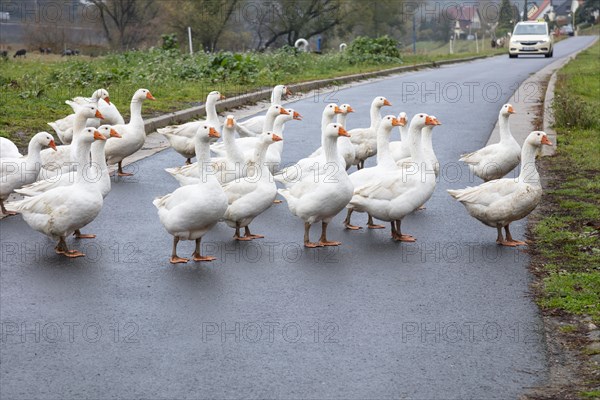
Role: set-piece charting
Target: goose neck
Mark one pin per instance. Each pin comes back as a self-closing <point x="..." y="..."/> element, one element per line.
<point x="257" y="166"/>
<point x="79" y="123"/>
<point x="203" y="155"/>
<point x="504" y="125"/>
<point x="98" y="155"/>
<point x="529" y="173"/>
<point x="375" y="116"/>
<point x="231" y="147"/>
<point x="384" y="156"/>
<point x="211" y="110"/>
<point x="416" y="152"/>
<point x="136" y="112"/>
<point x="82" y="158"/>
<point x="33" y="152"/>
<point x="341" y="119"/>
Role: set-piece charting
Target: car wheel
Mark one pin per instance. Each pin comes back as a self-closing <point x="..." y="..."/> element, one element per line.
<point x="548" y="55"/>
<point x="512" y="55"/>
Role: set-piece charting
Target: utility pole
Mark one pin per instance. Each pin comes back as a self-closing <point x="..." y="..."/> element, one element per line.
<point x="525" y="18"/>
<point x="414" y="33"/>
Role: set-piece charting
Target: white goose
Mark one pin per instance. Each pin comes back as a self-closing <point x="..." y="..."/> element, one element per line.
<point x="496" y="160"/>
<point x="427" y="146"/>
<point x="179" y="135"/>
<point x="253" y="195"/>
<point x="133" y="134"/>
<point x="256" y="125"/>
<point x="401" y="148"/>
<point x="398" y="193"/>
<point x="365" y="139"/>
<point x="345" y="146"/>
<point x="98" y="171"/>
<point x="385" y="163"/>
<point x="8" y="149"/>
<point x="499" y="202"/>
<point x="111" y="114"/>
<point x="57" y="213"/>
<point x="225" y="169"/>
<point x="16" y="172"/>
<point x="306" y="166"/>
<point x="321" y="197"/>
<point x="273" y="112"/>
<point x="65" y="157"/>
<point x="192" y="210"/>
<point x="65" y="127"/>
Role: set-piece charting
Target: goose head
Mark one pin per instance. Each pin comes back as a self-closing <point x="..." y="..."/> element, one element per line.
<point x="331" y="109"/>
<point x="388" y="122"/>
<point x="214" y="96"/>
<point x="207" y="133"/>
<point x="108" y="132"/>
<point x="537" y="139"/>
<point x="44" y="139"/>
<point x="346" y="108"/>
<point x="230" y="121"/>
<point x="335" y="130"/>
<point x="419" y="121"/>
<point x="276" y="110"/>
<point x="295" y="114"/>
<point x="101" y="94"/>
<point x="89" y="111"/>
<point x="269" y="137"/>
<point x="431" y="123"/>
<point x="142" y="94"/>
<point x="89" y="135"/>
<point x="402" y="118"/>
<point x="282" y="91"/>
<point x="507" y="110"/>
<point x="380" y="102"/>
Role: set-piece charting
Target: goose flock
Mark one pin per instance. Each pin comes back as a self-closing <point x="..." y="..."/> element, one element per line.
<point x="237" y="179"/>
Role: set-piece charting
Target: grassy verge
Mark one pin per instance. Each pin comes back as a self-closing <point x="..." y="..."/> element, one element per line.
<point x="33" y="90"/>
<point x="567" y="237"/>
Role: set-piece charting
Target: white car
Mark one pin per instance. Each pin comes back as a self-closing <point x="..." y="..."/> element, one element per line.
<point x="531" y="37"/>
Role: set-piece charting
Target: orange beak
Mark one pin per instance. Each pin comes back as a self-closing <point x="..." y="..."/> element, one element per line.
<point x="229" y="122"/>
<point x="436" y="121"/>
<point x="99" y="114"/>
<point x="212" y="132"/>
<point x="288" y="92"/>
<point x="429" y="121"/>
<point x="349" y="109"/>
<point x="149" y="96"/>
<point x="114" y="133"/>
<point x="386" y="102"/>
<point x="222" y="97"/>
<point x="98" y="136"/>
<point x="52" y="145"/>
<point x="546" y="141"/>
<point x="338" y="110"/>
<point x="396" y="122"/>
<point x="283" y="111"/>
<point x="511" y="110"/>
<point x="297" y="116"/>
<point x="276" y="138"/>
<point x="343" y="132"/>
<point x="107" y="100"/>
<point x="403" y="121"/>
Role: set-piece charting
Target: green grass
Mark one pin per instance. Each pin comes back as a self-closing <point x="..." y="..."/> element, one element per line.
<point x="34" y="89"/>
<point x="568" y="236"/>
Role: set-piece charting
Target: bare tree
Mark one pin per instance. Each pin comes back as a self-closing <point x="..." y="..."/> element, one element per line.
<point x="126" y="22"/>
<point x="290" y="20"/>
<point x="209" y="19"/>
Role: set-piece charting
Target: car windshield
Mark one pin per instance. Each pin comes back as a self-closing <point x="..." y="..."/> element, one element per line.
<point x="530" y="29"/>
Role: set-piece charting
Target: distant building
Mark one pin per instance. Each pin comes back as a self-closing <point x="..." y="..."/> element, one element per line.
<point x="467" y="20"/>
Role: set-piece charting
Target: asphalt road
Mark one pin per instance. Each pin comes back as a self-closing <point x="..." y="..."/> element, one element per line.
<point x="450" y="316"/>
